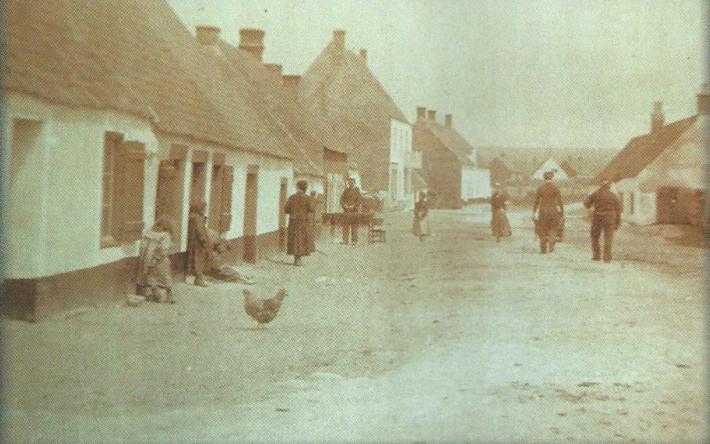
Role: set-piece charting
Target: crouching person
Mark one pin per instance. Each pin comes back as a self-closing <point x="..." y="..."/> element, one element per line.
<point x="154" y="279"/>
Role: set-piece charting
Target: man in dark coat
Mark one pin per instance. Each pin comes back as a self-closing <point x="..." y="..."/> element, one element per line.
<point x="548" y="201"/>
<point x="299" y="208"/>
<point x="350" y="202"/>
<point x="606" y="219"/>
<point x="198" y="243"/>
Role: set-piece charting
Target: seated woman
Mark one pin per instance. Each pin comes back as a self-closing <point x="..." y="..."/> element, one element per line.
<point x="154" y="277"/>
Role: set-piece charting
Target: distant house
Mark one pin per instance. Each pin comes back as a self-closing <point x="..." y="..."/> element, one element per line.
<point x="661" y="177"/>
<point x="344" y="101"/>
<point x="503" y="171"/>
<point x="549" y="164"/>
<point x="110" y="127"/>
<point x="449" y="161"/>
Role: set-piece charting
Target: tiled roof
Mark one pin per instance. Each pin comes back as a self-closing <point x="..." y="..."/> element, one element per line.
<point x="351" y="111"/>
<point x="131" y="56"/>
<point x="452" y="140"/>
<point x="642" y="150"/>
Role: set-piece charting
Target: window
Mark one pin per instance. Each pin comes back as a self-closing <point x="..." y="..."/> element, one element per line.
<point x="122" y="190"/>
<point x="631" y="202"/>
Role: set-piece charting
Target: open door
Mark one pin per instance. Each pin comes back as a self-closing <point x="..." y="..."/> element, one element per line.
<point x="198" y="180"/>
<point x="168" y="200"/>
<point x="250" y="213"/>
<point x="668" y="209"/>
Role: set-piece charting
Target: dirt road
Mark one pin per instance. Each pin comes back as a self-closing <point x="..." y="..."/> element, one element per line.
<point x="455" y="338"/>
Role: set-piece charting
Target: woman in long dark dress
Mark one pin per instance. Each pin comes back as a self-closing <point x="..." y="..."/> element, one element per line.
<point x="299" y="208"/>
<point x="421" y="218"/>
<point x="499" y="219"/>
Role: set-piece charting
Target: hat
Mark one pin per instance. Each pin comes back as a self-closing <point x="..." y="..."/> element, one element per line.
<point x="302" y="185"/>
<point x="548" y="175"/>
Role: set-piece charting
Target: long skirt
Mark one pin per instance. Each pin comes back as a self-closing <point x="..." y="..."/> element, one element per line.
<point x="499" y="223"/>
<point x="299" y="239"/>
<point x="420" y="227"/>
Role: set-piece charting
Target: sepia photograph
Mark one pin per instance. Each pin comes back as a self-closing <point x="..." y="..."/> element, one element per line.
<point x="361" y="221"/>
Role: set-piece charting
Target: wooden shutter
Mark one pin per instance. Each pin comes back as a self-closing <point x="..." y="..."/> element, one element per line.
<point x="225" y="220"/>
<point x="132" y="167"/>
<point x="216" y="190"/>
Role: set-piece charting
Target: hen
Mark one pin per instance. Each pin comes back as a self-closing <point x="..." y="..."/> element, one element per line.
<point x="263" y="310"/>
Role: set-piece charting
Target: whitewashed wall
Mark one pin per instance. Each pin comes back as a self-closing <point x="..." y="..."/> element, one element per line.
<point x="644" y="204"/>
<point x="549" y="165"/>
<point x="63" y="176"/>
<point x="475" y="183"/>
<point x="400" y="145"/>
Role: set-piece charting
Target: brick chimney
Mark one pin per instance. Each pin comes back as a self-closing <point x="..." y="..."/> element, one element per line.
<point x="208" y="37"/>
<point x="448" y="119"/>
<point x="658" y="119"/>
<point x="363" y="55"/>
<point x="704" y="99"/>
<point x="252" y="41"/>
<point x="274" y="67"/>
<point x="431" y="115"/>
<point x="421" y="113"/>
<point x="339" y="39"/>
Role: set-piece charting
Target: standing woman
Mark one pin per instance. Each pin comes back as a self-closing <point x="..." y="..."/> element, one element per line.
<point x="198" y="243"/>
<point x="421" y="219"/>
<point x="499" y="220"/>
<point x="154" y="280"/>
<point x="299" y="208"/>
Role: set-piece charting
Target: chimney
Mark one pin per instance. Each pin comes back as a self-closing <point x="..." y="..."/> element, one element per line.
<point x="252" y="41"/>
<point x="421" y="113"/>
<point x="448" y="119"/>
<point x="208" y="37"/>
<point x="658" y="119"/>
<point x="291" y="81"/>
<point x="363" y="55"/>
<point x="431" y="115"/>
<point x="339" y="38"/>
<point x="704" y="99"/>
<point x="275" y="68"/>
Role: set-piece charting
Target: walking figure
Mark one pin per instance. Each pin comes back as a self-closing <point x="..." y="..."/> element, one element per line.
<point x="499" y="219"/>
<point x="548" y="211"/>
<point x="421" y="218"/>
<point x="350" y="202"/>
<point x="606" y="219"/>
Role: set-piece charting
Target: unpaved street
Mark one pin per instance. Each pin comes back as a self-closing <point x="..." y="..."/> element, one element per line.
<point x="455" y="338"/>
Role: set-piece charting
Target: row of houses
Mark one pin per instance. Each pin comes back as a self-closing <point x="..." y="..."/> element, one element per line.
<point x="116" y="114"/>
<point x="661" y="176"/>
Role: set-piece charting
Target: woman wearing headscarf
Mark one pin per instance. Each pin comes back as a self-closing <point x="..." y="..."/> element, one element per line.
<point x="198" y="243"/>
<point x="299" y="208"/>
<point x="421" y="218"/>
<point x="154" y="280"/>
<point x="499" y="219"/>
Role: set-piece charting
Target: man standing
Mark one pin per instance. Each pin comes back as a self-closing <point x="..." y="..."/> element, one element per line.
<point x="606" y="218"/>
<point x="198" y="243"/>
<point x="299" y="208"/>
<point x="350" y="202"/>
<point x="548" y="201"/>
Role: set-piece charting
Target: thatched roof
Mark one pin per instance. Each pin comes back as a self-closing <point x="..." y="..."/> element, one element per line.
<point x="642" y="150"/>
<point x="135" y="57"/>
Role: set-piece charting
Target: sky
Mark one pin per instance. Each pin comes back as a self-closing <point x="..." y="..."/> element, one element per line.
<point x="526" y="73"/>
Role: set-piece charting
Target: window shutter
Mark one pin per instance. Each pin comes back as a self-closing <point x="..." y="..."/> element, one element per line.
<point x="132" y="158"/>
<point x="225" y="220"/>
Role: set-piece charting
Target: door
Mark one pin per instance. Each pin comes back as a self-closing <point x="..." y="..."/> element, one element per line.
<point x="213" y="221"/>
<point x="283" y="230"/>
<point x="667" y="206"/>
<point x="197" y="184"/>
<point x="168" y="202"/>
<point x="250" y="212"/>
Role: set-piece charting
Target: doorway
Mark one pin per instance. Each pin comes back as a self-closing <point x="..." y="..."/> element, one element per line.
<point x="169" y="198"/>
<point x="198" y="180"/>
<point x="250" y="213"/>
<point x="283" y="230"/>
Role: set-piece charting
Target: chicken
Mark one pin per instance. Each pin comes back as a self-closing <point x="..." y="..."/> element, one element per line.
<point x="263" y="310"/>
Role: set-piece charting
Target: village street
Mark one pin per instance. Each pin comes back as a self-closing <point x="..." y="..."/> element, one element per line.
<point x="455" y="338"/>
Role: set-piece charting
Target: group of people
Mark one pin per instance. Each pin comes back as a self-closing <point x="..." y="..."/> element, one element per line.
<point x="548" y="216"/>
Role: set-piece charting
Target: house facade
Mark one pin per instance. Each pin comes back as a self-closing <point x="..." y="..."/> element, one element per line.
<point x="449" y="163"/>
<point x="549" y="164"/>
<point x="92" y="162"/>
<point x="661" y="177"/>
<point x="351" y="112"/>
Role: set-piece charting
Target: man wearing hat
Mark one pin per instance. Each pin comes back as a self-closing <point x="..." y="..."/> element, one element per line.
<point x="548" y="201"/>
<point x="350" y="202"/>
<point x="606" y="218"/>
